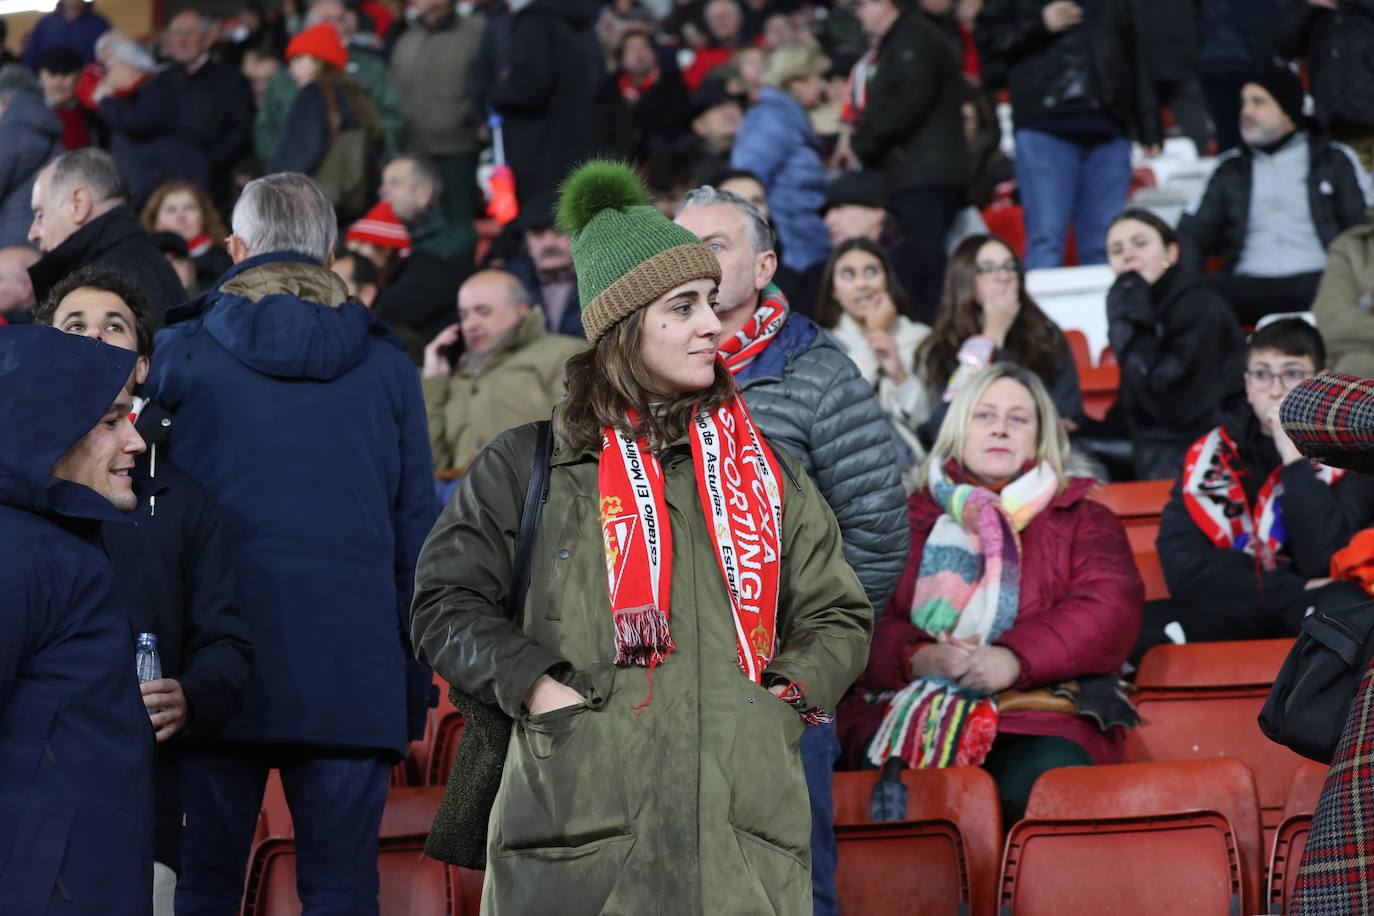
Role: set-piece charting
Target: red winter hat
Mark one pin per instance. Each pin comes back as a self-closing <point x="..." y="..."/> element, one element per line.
<point x="380" y="227"/>
<point x="320" y="41"/>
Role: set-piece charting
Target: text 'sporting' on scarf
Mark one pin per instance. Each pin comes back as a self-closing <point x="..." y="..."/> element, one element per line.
<point x="969" y="585"/>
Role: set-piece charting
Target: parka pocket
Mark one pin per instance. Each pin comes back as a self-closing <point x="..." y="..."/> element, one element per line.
<point x="561" y="787"/>
<point x="768" y="796"/>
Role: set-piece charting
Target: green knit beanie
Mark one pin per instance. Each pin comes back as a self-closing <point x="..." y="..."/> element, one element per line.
<point x="626" y="254"/>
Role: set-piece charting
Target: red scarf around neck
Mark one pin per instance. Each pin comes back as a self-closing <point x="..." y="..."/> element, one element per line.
<point x="738" y="485"/>
<point x="744" y="346"/>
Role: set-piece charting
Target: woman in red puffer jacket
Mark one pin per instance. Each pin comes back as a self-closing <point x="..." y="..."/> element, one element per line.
<point x="1059" y="602"/>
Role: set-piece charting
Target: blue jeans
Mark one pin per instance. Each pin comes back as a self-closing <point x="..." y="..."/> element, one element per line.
<point x="819" y="751"/>
<point x="336" y="809"/>
<point x="1061" y="180"/>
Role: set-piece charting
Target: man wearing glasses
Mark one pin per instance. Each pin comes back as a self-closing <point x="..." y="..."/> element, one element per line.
<point x="1247" y="537"/>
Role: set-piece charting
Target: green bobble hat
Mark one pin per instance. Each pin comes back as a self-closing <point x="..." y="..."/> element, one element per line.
<point x="625" y="252"/>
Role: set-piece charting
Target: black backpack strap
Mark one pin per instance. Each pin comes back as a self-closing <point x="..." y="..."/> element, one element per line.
<point x="536" y="494"/>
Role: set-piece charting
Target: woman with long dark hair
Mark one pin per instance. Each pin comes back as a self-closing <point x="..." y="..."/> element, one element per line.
<point x="1182" y="355"/>
<point x="862" y="304"/>
<point x="689" y="613"/>
<point x="986" y="316"/>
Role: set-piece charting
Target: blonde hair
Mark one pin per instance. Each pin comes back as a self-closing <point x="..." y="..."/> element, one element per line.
<point x="794" y="63"/>
<point x="1051" y="442"/>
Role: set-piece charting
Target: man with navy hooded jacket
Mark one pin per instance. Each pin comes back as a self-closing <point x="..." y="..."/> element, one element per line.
<point x="303" y="414"/>
<point x="76" y="745"/>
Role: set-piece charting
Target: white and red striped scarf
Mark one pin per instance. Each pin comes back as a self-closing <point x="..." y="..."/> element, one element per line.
<point x="1215" y="499"/>
<point x="745" y="345"/>
<point x="737" y="479"/>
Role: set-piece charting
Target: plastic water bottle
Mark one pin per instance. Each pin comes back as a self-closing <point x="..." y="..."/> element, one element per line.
<point x="149" y="665"/>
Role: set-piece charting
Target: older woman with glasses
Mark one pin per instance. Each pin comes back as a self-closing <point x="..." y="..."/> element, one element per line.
<point x="1247" y="537"/>
<point x="987" y="316"/>
<point x="1177" y="342"/>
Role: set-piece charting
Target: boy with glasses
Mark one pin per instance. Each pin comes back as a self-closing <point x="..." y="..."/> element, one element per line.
<point x="1247" y="537"/>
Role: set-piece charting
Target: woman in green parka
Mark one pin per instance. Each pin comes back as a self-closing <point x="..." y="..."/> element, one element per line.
<point x="689" y="610"/>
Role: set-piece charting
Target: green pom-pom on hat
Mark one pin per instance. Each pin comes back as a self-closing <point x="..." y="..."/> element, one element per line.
<point x="625" y="252"/>
<point x="597" y="186"/>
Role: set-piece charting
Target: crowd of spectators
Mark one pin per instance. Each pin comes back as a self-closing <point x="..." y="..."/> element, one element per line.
<point x="843" y="161"/>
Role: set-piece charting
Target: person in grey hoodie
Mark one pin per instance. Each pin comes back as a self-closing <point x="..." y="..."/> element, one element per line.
<point x="33" y="138"/>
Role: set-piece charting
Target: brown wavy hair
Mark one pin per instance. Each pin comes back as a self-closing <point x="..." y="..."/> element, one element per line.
<point x="211" y="223"/>
<point x="828" y="308"/>
<point x="1033" y="342"/>
<point x="611" y="378"/>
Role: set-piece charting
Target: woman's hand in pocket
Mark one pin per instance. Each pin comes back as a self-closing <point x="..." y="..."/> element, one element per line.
<point x="548" y="695"/>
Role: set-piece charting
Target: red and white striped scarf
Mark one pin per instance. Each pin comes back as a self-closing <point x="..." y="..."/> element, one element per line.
<point x="745" y="345"/>
<point x="738" y="483"/>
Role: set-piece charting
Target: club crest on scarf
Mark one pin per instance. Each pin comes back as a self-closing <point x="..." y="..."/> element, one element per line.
<point x="969" y="585"/>
<point x="1216" y="501"/>
<point x="737" y="483"/>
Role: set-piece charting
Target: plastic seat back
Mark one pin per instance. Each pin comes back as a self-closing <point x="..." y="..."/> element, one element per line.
<point x="963" y="796"/>
<point x="464" y="891"/>
<point x="902" y="868"/>
<point x="1148" y="790"/>
<point x="1290" y="838"/>
<point x="1171" y="863"/>
<point x="1202" y="700"/>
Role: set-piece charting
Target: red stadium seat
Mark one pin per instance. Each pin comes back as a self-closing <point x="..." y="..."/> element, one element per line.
<point x="1138" y="503"/>
<point x="1202" y="700"/>
<point x="410" y="883"/>
<point x="464" y="891"/>
<point x="1290" y="839"/>
<point x="929" y="855"/>
<point x="1008" y="223"/>
<point x="1142" y="798"/>
<point x="1173" y="863"/>
<point x="1078" y="346"/>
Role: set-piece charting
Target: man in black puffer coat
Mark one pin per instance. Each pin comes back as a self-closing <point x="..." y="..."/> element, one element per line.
<point x="1080" y="91"/>
<point x="82" y="216"/>
<point x="1337" y="41"/>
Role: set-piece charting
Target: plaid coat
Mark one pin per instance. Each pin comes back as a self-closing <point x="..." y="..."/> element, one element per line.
<point x="1330" y="418"/>
<point x="1336" y="877"/>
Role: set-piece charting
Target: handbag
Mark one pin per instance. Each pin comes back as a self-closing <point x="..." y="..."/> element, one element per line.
<point x="459" y="832"/>
<point x="1310" y="700"/>
<point x="342" y="173"/>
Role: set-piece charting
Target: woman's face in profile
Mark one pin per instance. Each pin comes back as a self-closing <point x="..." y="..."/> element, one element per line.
<point x="1001" y="434"/>
<point x="679" y="338"/>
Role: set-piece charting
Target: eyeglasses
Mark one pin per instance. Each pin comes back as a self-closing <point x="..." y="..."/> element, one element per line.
<point x="1263" y="378"/>
<point x="985" y="269"/>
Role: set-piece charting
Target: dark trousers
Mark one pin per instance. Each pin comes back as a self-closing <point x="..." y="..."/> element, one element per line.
<point x="336" y="809"/>
<point x="1187" y="103"/>
<point x="819" y="751"/>
<point x="1251" y="298"/>
<point x="1015" y="762"/>
<point x="1241" y="619"/>
<point x="925" y="215"/>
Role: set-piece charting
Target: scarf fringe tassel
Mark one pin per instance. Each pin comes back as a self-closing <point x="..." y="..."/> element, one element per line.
<point x="642" y="637"/>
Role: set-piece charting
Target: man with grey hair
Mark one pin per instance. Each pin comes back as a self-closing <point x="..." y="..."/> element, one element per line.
<point x="300" y="410"/>
<point x="365" y="65"/>
<point x="808" y="396"/>
<point x="32" y="137"/>
<point x="213" y="101"/>
<point x="81" y="216"/>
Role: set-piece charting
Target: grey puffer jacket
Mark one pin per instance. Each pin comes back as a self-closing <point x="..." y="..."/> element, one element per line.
<point x="808" y="396"/>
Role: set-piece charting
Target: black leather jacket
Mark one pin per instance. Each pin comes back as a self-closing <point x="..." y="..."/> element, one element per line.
<point x="1095" y="66"/>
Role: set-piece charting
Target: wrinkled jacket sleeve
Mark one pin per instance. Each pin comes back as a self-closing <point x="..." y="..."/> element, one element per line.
<point x="458" y="621"/>
<point x="1092" y="628"/>
<point x="855" y="465"/>
<point x="1203" y="225"/>
<point x="1322" y="519"/>
<point x="902" y="96"/>
<point x="218" y="649"/>
<point x="826" y="620"/>
<point x="148" y="113"/>
<point x="760" y="147"/>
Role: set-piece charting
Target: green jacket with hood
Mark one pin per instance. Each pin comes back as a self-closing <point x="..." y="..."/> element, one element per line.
<point x="693" y="803"/>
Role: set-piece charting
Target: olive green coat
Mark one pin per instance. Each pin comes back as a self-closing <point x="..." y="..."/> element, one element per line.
<point x="520" y="383"/>
<point x="1343" y="304"/>
<point x="696" y="804"/>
